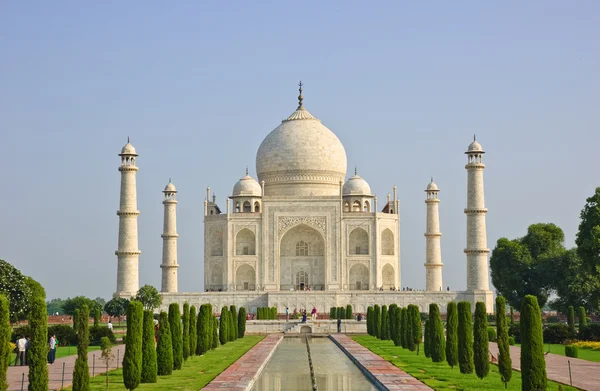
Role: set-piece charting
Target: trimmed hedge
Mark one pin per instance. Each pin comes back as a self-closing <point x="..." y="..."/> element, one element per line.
<point x="427" y="339"/>
<point x="224" y="326"/>
<point x="571" y="351"/>
<point x="385" y="323"/>
<point x="492" y="335"/>
<point x="556" y="333"/>
<point x="533" y="364"/>
<point x="203" y="326"/>
<point x="241" y="322"/>
<point x="582" y="318"/>
<point x="149" y="363"/>
<point x="185" y="319"/>
<point x="164" y="348"/>
<point x="571" y="320"/>
<point x="176" y="335"/>
<point x="37" y="354"/>
<point x="369" y="320"/>
<point x="591" y="332"/>
<point x="404" y="329"/>
<point x="452" y="335"/>
<point x="504" y="360"/>
<point x="481" y="353"/>
<point x="437" y="341"/>
<point x="465" y="337"/>
<point x="377" y="321"/>
<point x="349" y="314"/>
<point x="193" y="334"/>
<point x="132" y="359"/>
<point x="5" y="332"/>
<point x="333" y="313"/>
<point x="511" y="341"/>
<point x="215" y="333"/>
<point x="416" y="333"/>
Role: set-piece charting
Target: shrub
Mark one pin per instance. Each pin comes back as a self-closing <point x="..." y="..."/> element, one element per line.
<point x="491" y="318"/>
<point x="504" y="360"/>
<point x="176" y="335"/>
<point x="192" y="330"/>
<point x="149" y="364"/>
<point x="349" y="312"/>
<point x="465" y="338"/>
<point x="215" y="333"/>
<point x="333" y="313"/>
<point x="511" y="340"/>
<point x="571" y="319"/>
<point x="97" y="332"/>
<point x="481" y="354"/>
<point x="385" y="324"/>
<point x="514" y="330"/>
<point x="492" y="336"/>
<point x="164" y="348"/>
<point x="582" y="318"/>
<point x="5" y="347"/>
<point x="233" y="326"/>
<point x="452" y="335"/>
<point x="591" y="332"/>
<point x="224" y="325"/>
<point x="369" y="320"/>
<point x="377" y="321"/>
<point x="185" y="319"/>
<point x="81" y="376"/>
<point x="553" y="319"/>
<point x="203" y="329"/>
<point x="556" y="333"/>
<point x="436" y="334"/>
<point x="427" y="339"/>
<point x="571" y="351"/>
<point x="64" y="333"/>
<point x="533" y="364"/>
<point x="132" y="359"/>
<point x="241" y="322"/>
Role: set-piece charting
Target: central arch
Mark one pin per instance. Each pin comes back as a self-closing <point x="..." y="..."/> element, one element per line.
<point x="302" y="249"/>
<point x="245" y="278"/>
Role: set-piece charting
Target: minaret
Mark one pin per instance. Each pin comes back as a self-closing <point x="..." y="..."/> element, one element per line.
<point x="169" y="264"/>
<point x="433" y="260"/>
<point x="477" y="251"/>
<point x="127" y="251"/>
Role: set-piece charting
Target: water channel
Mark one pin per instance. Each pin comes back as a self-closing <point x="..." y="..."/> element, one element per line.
<point x="288" y="368"/>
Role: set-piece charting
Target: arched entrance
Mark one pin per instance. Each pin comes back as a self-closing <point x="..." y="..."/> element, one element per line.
<point x="387" y="277"/>
<point x="245" y="278"/>
<point x="301" y="259"/>
<point x="359" y="278"/>
<point x="216" y="278"/>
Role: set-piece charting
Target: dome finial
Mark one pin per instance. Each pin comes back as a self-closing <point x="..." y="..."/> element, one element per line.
<point x="300" y="97"/>
<point x="431" y="179"/>
<point x="355" y="171"/>
<point x="127" y="139"/>
<point x="246" y="170"/>
<point x="169" y="179"/>
<point x="474" y="137"/>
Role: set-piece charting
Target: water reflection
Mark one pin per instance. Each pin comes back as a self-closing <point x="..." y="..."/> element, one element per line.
<point x="288" y="368"/>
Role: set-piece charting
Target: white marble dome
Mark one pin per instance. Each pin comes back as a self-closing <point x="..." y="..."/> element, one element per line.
<point x="128" y="149"/>
<point x="356" y="186"/>
<point x="432" y="186"/>
<point x="170" y="188"/>
<point x="247" y="187"/>
<point x="301" y="157"/>
<point x="474" y="147"/>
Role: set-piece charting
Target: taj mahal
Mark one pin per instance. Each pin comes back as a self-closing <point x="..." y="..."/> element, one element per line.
<point x="304" y="234"/>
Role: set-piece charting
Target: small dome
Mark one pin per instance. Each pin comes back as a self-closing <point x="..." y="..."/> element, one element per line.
<point x="432" y="186"/>
<point x="356" y="186"/>
<point x="474" y="147"/>
<point x="128" y="149"/>
<point x="170" y="187"/>
<point x="248" y="187"/>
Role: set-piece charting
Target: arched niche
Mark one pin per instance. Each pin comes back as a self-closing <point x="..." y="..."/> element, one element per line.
<point x="256" y="207"/>
<point x="216" y="277"/>
<point x="302" y="248"/>
<point x="247" y="207"/>
<point x="245" y="242"/>
<point x="387" y="277"/>
<point x="387" y="242"/>
<point x="359" y="277"/>
<point x="356" y="206"/>
<point x="245" y="278"/>
<point x="358" y="242"/>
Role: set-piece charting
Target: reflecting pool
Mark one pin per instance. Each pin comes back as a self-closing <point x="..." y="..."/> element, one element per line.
<point x="288" y="369"/>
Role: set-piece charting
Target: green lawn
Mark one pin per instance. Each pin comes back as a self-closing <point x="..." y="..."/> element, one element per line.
<point x="440" y="376"/>
<point x="584" y="354"/>
<point x="62" y="351"/>
<point x="195" y="374"/>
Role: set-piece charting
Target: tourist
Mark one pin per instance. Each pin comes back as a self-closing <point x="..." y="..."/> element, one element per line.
<point x="22" y="347"/>
<point x="109" y="325"/>
<point x="313" y="313"/>
<point x="339" y="325"/>
<point x="304" y="316"/>
<point x="52" y="351"/>
<point x="287" y="314"/>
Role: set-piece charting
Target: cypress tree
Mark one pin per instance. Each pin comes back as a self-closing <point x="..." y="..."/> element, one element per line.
<point x="397" y="326"/>
<point x="203" y="329"/>
<point x="582" y="318"/>
<point x="349" y="314"/>
<point x="405" y="329"/>
<point x="391" y="319"/>
<point x="571" y="320"/>
<point x="5" y="332"/>
<point x="415" y="327"/>
<point x="504" y="360"/>
<point x="241" y="322"/>
<point x="452" y="335"/>
<point x="132" y="359"/>
<point x="186" y="331"/>
<point x="436" y="334"/>
<point x="533" y="364"/>
<point x="215" y="333"/>
<point x="370" y="320"/>
<point x="481" y="354"/>
<point x="192" y="331"/>
<point x="377" y="321"/>
<point x="332" y="313"/>
<point x="465" y="337"/>
<point x="273" y="313"/>
<point x="224" y="325"/>
<point x="149" y="363"/>
<point x="341" y="313"/>
<point x="233" y="327"/>
<point x="38" y="346"/>
<point x="385" y="323"/>
<point x="176" y="335"/>
<point x="164" y="348"/>
<point x="210" y="331"/>
<point x="427" y="339"/>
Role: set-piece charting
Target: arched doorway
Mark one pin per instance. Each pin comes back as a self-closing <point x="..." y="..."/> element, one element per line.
<point x="302" y="249"/>
<point x="387" y="277"/>
<point x="245" y="242"/>
<point x="358" y="242"/>
<point x="387" y="242"/>
<point x="245" y="278"/>
<point x="216" y="278"/>
<point x="359" y="278"/>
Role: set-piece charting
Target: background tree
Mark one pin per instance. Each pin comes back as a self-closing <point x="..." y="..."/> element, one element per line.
<point x="72" y="304"/>
<point x="116" y="307"/>
<point x="504" y="360"/>
<point x="370" y="320"/>
<point x="176" y="335"/>
<point x="192" y="331"/>
<point x="5" y="350"/>
<point x="242" y="322"/>
<point x="582" y="318"/>
<point x="452" y="334"/>
<point x="224" y="325"/>
<point x="149" y="297"/>
<point x="427" y="339"/>
<point x="132" y="359"/>
<point x="149" y="363"/>
<point x="385" y="323"/>
<point x="377" y="320"/>
<point x="481" y="352"/>
<point x="416" y="331"/>
<point x="55" y="305"/>
<point x="164" y="348"/>
<point x="233" y="329"/>
<point x="215" y="333"/>
<point x="14" y="286"/>
<point x="571" y="319"/>
<point x="533" y="365"/>
<point x="38" y="346"/>
<point x="588" y="235"/>
<point x="81" y="375"/>
<point x="186" y="331"/>
<point x="465" y="338"/>
<point x="436" y="334"/>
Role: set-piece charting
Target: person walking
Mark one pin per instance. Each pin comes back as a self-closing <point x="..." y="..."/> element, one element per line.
<point x="313" y="314"/>
<point x="52" y="351"/>
<point x="110" y="326"/>
<point x="339" y="325"/>
<point x="287" y="314"/>
<point x="22" y="348"/>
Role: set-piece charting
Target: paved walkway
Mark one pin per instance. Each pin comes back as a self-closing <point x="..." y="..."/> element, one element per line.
<point x="584" y="373"/>
<point x="241" y="375"/>
<point x="378" y="370"/>
<point x="55" y="371"/>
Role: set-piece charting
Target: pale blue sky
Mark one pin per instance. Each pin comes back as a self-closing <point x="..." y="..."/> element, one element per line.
<point x="198" y="85"/>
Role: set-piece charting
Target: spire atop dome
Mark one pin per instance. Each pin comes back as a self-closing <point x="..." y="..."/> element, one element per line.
<point x="355" y="171"/>
<point x="300" y="97"/>
<point x="301" y="112"/>
<point x="246" y="170"/>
